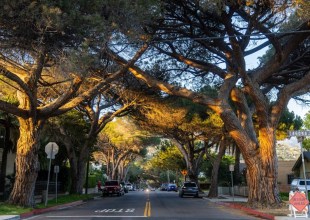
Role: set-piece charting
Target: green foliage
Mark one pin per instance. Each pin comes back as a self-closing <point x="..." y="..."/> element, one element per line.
<point x="223" y="173"/>
<point x="65" y="199"/>
<point x="135" y="171"/>
<point x="306" y="122"/>
<point x="168" y="158"/>
<point x="93" y="180"/>
<point x="288" y="121"/>
<point x="284" y="196"/>
<point x="60" y="22"/>
<point x="6" y="209"/>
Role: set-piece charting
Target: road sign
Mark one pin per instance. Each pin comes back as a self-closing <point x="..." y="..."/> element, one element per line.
<point x="184" y="172"/>
<point x="51" y="149"/>
<point x="299" y="201"/>
<point x="231" y="167"/>
<point x="56" y="169"/>
<point x="299" y="133"/>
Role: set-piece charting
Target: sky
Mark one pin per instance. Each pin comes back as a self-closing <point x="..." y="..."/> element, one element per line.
<point x="298" y="109"/>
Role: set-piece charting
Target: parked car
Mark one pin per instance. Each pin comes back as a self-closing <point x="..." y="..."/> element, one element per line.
<point x="113" y="187"/>
<point x="123" y="184"/>
<point x="164" y="187"/>
<point x="189" y="189"/>
<point x="129" y="186"/>
<point x="299" y="184"/>
<point x="172" y="187"/>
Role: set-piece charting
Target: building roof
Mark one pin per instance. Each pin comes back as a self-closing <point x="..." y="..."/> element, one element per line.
<point x="299" y="160"/>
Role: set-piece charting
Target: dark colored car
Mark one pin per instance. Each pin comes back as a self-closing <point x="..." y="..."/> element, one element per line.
<point x="164" y="187"/>
<point x="189" y="189"/>
<point x="123" y="184"/>
<point x="172" y="187"/>
<point x="112" y="187"/>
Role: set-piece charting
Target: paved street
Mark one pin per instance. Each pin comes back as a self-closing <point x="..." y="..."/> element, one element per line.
<point x="155" y="205"/>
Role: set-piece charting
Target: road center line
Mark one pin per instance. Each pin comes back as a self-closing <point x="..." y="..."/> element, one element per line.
<point x="147" y="209"/>
<point x="96" y="216"/>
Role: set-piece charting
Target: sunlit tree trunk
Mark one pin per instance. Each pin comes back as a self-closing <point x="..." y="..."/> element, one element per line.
<point x="26" y="162"/>
<point x="262" y="172"/>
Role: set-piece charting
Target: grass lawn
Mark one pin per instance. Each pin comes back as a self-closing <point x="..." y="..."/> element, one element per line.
<point x="6" y="209"/>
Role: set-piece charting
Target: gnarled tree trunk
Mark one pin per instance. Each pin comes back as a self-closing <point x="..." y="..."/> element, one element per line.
<point x="27" y="164"/>
<point x="262" y="172"/>
<point x="213" y="192"/>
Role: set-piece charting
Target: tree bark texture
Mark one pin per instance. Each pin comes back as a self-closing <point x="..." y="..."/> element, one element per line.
<point x="213" y="192"/>
<point x="262" y="172"/>
<point x="27" y="164"/>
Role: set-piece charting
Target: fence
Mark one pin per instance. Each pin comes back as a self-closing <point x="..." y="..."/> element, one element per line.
<point x="41" y="185"/>
<point x="238" y="190"/>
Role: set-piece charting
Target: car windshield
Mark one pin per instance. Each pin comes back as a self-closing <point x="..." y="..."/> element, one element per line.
<point x="190" y="184"/>
<point x="111" y="183"/>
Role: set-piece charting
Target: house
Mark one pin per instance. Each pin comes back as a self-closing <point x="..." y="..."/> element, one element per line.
<point x="285" y="174"/>
<point x="298" y="166"/>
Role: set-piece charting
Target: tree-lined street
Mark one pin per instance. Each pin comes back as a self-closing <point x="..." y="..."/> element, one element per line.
<point x="137" y="91"/>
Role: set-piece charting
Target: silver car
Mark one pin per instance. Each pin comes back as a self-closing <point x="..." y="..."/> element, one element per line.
<point x="189" y="189"/>
<point x="299" y="184"/>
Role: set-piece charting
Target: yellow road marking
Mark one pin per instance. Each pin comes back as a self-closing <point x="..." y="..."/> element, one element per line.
<point x="147" y="209"/>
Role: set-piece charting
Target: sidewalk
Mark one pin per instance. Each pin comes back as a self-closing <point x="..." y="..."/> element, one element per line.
<point x="228" y="200"/>
<point x="38" y="199"/>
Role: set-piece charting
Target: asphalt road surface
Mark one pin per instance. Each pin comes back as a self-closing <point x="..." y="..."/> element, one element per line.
<point x="153" y="205"/>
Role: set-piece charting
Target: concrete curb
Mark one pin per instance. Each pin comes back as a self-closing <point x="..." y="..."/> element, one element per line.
<point x="248" y="210"/>
<point x="49" y="209"/>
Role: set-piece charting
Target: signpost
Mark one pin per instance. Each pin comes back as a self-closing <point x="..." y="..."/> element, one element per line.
<point x="56" y="171"/>
<point x="231" y="169"/>
<point x="51" y="149"/>
<point x="184" y="173"/>
<point x="299" y="203"/>
<point x="301" y="134"/>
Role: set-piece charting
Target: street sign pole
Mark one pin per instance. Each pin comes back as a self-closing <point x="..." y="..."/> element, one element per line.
<point x="51" y="149"/>
<point x="48" y="177"/>
<point x="56" y="171"/>
<point x="300" y="137"/>
<point x="231" y="169"/>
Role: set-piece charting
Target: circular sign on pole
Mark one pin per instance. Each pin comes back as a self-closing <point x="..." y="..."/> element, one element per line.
<point x="299" y="201"/>
<point x="184" y="172"/>
<point x="231" y="167"/>
<point x="51" y="149"/>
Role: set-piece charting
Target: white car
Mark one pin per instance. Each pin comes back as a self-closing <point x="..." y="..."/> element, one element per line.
<point x="129" y="186"/>
<point x="299" y="184"/>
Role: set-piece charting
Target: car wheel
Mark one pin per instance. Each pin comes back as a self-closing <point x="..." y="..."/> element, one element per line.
<point x="197" y="195"/>
<point x="181" y="195"/>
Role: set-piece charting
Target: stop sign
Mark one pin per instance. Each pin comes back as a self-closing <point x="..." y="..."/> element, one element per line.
<point x="51" y="149"/>
<point x="299" y="201"/>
